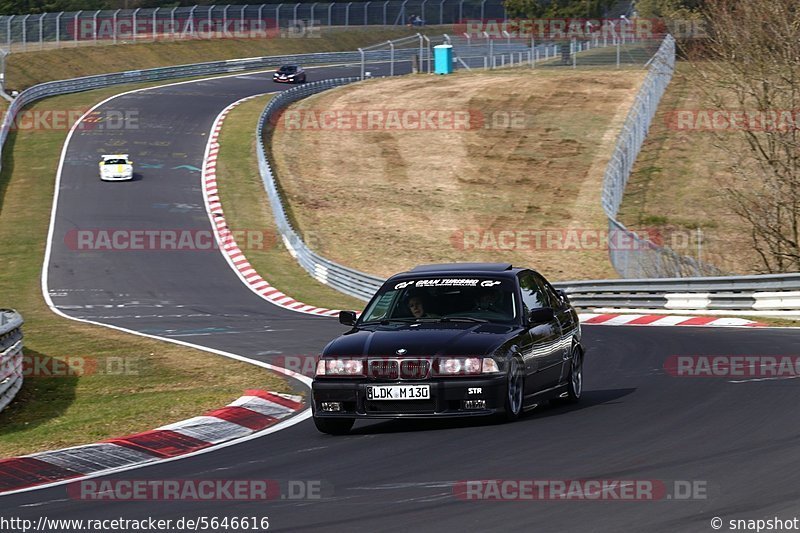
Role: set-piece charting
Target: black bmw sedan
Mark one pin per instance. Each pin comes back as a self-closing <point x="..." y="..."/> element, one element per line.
<point x="451" y="340"/>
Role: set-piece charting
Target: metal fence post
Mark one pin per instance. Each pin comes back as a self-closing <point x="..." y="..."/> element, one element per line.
<point x="347" y="14"/>
<point x="366" y="14"/>
<point x="58" y="30"/>
<point x="391" y="58"/>
<point x="76" y="29"/>
<point x="617" y="53"/>
<point x="312" y="12"/>
<point x="483" y="9"/>
<point x="574" y="53"/>
<point x="172" y="22"/>
<point x="210" y="23"/>
<point x="294" y="14"/>
<point x="225" y="20"/>
<point x="460" y="10"/>
<point x="278" y="17"/>
<point x="441" y="12"/>
<point x="114" y="17"/>
<point x="41" y="35"/>
<point x="135" y="25"/>
<point x="261" y="18"/>
<point x="25" y="32"/>
<point x="154" y="29"/>
<point x="192" y="21"/>
<point x="385" y="6"/>
<point x="94" y="26"/>
<point x="8" y="32"/>
<point x="330" y="14"/>
<point x="363" y="60"/>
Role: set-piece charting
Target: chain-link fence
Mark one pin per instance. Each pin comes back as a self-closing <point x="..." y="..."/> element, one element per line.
<point x="65" y="29"/>
<point x="644" y="258"/>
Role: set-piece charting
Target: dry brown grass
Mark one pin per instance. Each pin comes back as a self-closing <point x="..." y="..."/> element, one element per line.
<point x="383" y="201"/>
<point x="677" y="185"/>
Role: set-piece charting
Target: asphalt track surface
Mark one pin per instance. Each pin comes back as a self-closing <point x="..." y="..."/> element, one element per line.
<point x="737" y="440"/>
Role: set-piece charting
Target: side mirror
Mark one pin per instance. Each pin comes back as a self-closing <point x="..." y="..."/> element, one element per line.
<point x="348" y="318"/>
<point x="563" y="294"/>
<point x="541" y="315"/>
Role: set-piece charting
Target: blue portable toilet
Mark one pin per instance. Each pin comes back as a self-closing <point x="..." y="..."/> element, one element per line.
<point x="443" y="59"/>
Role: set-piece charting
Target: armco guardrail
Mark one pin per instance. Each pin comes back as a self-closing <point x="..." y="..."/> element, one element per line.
<point x="54" y="88"/>
<point x="771" y="294"/>
<point x="346" y="280"/>
<point x="10" y="355"/>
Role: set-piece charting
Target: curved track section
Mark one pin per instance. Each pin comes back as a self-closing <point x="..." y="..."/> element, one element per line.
<point x="636" y="422"/>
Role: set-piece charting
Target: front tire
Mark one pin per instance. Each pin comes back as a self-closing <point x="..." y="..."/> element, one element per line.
<point x="515" y="391"/>
<point x="575" y="383"/>
<point x="334" y="426"/>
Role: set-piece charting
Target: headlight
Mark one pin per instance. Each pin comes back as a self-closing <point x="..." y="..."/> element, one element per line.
<point x="340" y="367"/>
<point x="458" y="366"/>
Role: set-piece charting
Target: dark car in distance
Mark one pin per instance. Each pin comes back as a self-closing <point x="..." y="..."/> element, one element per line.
<point x="289" y="74"/>
<point x="451" y="340"/>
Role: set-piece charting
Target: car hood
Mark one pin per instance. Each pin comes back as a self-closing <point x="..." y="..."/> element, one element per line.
<point x="425" y="339"/>
<point x="116" y="169"/>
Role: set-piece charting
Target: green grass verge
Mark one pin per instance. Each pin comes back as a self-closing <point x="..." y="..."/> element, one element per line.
<point x="247" y="209"/>
<point x="166" y="382"/>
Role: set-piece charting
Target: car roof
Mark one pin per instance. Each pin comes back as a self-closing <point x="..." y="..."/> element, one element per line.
<point x="449" y="269"/>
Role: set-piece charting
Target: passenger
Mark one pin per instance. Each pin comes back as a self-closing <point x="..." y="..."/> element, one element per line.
<point x="489" y="300"/>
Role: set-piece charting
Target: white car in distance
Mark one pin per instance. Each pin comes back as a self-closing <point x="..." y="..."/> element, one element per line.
<point x="116" y="167"/>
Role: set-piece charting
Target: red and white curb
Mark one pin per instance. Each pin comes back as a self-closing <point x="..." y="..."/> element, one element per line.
<point x="618" y="319"/>
<point x="253" y="412"/>
<point x="230" y="250"/>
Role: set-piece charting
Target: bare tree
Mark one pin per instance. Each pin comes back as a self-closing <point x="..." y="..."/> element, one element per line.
<point x="750" y="67"/>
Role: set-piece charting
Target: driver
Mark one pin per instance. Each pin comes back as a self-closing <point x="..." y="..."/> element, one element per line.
<point x="488" y="300"/>
<point x="416" y="305"/>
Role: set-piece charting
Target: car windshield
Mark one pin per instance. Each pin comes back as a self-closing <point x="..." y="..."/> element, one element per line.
<point x="288" y="69"/>
<point x="116" y="162"/>
<point x="473" y="299"/>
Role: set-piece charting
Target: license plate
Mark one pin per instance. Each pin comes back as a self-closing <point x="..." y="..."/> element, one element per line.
<point x="399" y="392"/>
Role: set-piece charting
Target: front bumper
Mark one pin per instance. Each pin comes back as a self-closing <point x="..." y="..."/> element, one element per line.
<point x="447" y="398"/>
<point x="283" y="80"/>
<point x="122" y="177"/>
